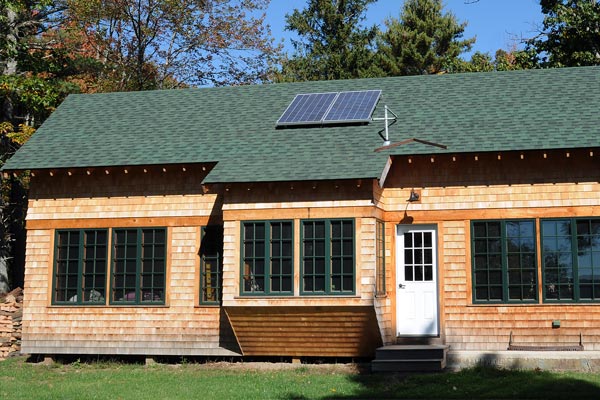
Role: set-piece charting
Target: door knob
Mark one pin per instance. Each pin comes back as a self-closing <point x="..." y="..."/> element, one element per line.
<point x="401" y="286"/>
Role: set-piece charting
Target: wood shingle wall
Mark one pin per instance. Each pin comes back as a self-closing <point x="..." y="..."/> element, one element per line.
<point x="157" y="198"/>
<point x="490" y="186"/>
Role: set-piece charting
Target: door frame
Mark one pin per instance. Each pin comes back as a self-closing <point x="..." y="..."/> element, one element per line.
<point x="402" y="228"/>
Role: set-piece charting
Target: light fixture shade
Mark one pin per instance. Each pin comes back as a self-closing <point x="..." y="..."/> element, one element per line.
<point x="414" y="196"/>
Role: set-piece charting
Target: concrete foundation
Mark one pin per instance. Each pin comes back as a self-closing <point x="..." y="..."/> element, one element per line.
<point x="584" y="361"/>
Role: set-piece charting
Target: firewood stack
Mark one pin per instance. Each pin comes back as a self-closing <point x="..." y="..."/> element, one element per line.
<point x="11" y="315"/>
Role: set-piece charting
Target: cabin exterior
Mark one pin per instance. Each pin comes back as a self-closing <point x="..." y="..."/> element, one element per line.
<point x="186" y="223"/>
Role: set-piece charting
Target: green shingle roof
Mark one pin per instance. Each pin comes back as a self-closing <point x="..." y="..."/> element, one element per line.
<point x="235" y="126"/>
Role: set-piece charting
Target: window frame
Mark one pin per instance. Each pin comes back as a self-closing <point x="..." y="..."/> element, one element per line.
<point x="138" y="290"/>
<point x="80" y="270"/>
<point x="327" y="256"/>
<point x="504" y="262"/>
<point x="574" y="260"/>
<point x="268" y="256"/>
<point x="218" y="258"/>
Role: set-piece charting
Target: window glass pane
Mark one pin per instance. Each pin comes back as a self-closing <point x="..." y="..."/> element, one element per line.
<point x="320" y="229"/>
<point x="428" y="272"/>
<point x="408" y="240"/>
<point x="408" y="256"/>
<point x="286" y="284"/>
<point x="287" y="268"/>
<point x="493" y="229"/>
<point x="408" y="273"/>
<point x="583" y="227"/>
<point x="481" y="293"/>
<point x="586" y="292"/>
<point x="418" y="273"/>
<point x="319" y="284"/>
<point x="418" y="239"/>
<point x="514" y="293"/>
<point x="348" y="283"/>
<point x="495" y="292"/>
<point x="320" y="249"/>
<point x="320" y="266"/>
<point x="336" y="248"/>
<point x="336" y="283"/>
<point x="259" y="231"/>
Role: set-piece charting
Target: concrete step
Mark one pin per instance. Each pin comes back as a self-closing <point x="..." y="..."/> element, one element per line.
<point x="410" y="358"/>
<point x="421" y="365"/>
<point x="411" y="352"/>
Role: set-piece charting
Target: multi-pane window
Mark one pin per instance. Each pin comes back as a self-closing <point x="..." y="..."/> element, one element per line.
<point x="267" y="257"/>
<point x="211" y="268"/>
<point x="571" y="259"/>
<point x="418" y="256"/>
<point x="504" y="261"/>
<point x="139" y="266"/>
<point x="327" y="256"/>
<point x="80" y="267"/>
<point x="380" y="258"/>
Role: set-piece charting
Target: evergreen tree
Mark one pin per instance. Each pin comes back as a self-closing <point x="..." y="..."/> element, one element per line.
<point x="332" y="43"/>
<point x="423" y="40"/>
<point x="571" y="35"/>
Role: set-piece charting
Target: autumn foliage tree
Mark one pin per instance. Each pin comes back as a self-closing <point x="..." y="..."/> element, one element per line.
<point x="570" y="35"/>
<point x="160" y="44"/>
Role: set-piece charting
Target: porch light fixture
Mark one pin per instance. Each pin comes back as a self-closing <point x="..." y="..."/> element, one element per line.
<point x="414" y="196"/>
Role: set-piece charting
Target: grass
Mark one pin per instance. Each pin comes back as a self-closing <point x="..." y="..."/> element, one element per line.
<point x="102" y="380"/>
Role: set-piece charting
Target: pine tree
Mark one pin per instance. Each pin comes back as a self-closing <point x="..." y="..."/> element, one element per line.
<point x="332" y="43"/>
<point x="423" y="40"/>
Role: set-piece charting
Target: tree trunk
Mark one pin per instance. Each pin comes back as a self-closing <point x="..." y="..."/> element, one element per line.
<point x="10" y="67"/>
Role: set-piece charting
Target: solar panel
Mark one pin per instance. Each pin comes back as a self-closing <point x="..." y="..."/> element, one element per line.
<point x="307" y="109"/>
<point x="330" y="108"/>
<point x="353" y="107"/>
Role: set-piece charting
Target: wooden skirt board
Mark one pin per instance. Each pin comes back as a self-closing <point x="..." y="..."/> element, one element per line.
<point x="306" y="331"/>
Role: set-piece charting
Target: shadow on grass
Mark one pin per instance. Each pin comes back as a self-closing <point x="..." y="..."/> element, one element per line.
<point x="474" y="383"/>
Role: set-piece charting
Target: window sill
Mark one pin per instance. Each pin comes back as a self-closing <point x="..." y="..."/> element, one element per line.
<point x="534" y="304"/>
<point x="108" y="306"/>
<point x="300" y="297"/>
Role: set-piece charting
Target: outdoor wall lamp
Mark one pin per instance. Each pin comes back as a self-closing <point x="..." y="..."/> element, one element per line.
<point x="414" y="196"/>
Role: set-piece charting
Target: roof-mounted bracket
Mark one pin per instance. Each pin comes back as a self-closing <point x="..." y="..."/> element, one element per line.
<point x="386" y="119"/>
<point x="390" y="146"/>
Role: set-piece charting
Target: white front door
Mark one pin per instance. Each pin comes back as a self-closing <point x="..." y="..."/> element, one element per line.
<point x="416" y="279"/>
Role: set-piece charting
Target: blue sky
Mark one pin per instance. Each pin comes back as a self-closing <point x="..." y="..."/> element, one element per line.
<point x="497" y="24"/>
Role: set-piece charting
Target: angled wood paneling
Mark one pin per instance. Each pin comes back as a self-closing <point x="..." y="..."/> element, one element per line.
<point x="306" y="331"/>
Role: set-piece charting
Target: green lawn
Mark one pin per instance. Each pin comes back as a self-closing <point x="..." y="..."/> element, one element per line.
<point x="19" y="379"/>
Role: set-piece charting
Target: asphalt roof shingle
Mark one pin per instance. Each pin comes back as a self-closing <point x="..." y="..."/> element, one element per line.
<point x="235" y="126"/>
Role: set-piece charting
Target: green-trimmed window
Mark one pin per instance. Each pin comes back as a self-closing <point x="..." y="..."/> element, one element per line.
<point x="571" y="259"/>
<point x="267" y="258"/>
<point x="380" y="258"/>
<point x="80" y="266"/>
<point x="504" y="261"/>
<point x="328" y="256"/>
<point x="211" y="267"/>
<point x="139" y="266"/>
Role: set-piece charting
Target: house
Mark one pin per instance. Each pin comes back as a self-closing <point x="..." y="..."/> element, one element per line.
<point x="252" y="221"/>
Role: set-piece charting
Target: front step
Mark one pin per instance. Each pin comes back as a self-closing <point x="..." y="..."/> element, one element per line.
<point x="410" y="358"/>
